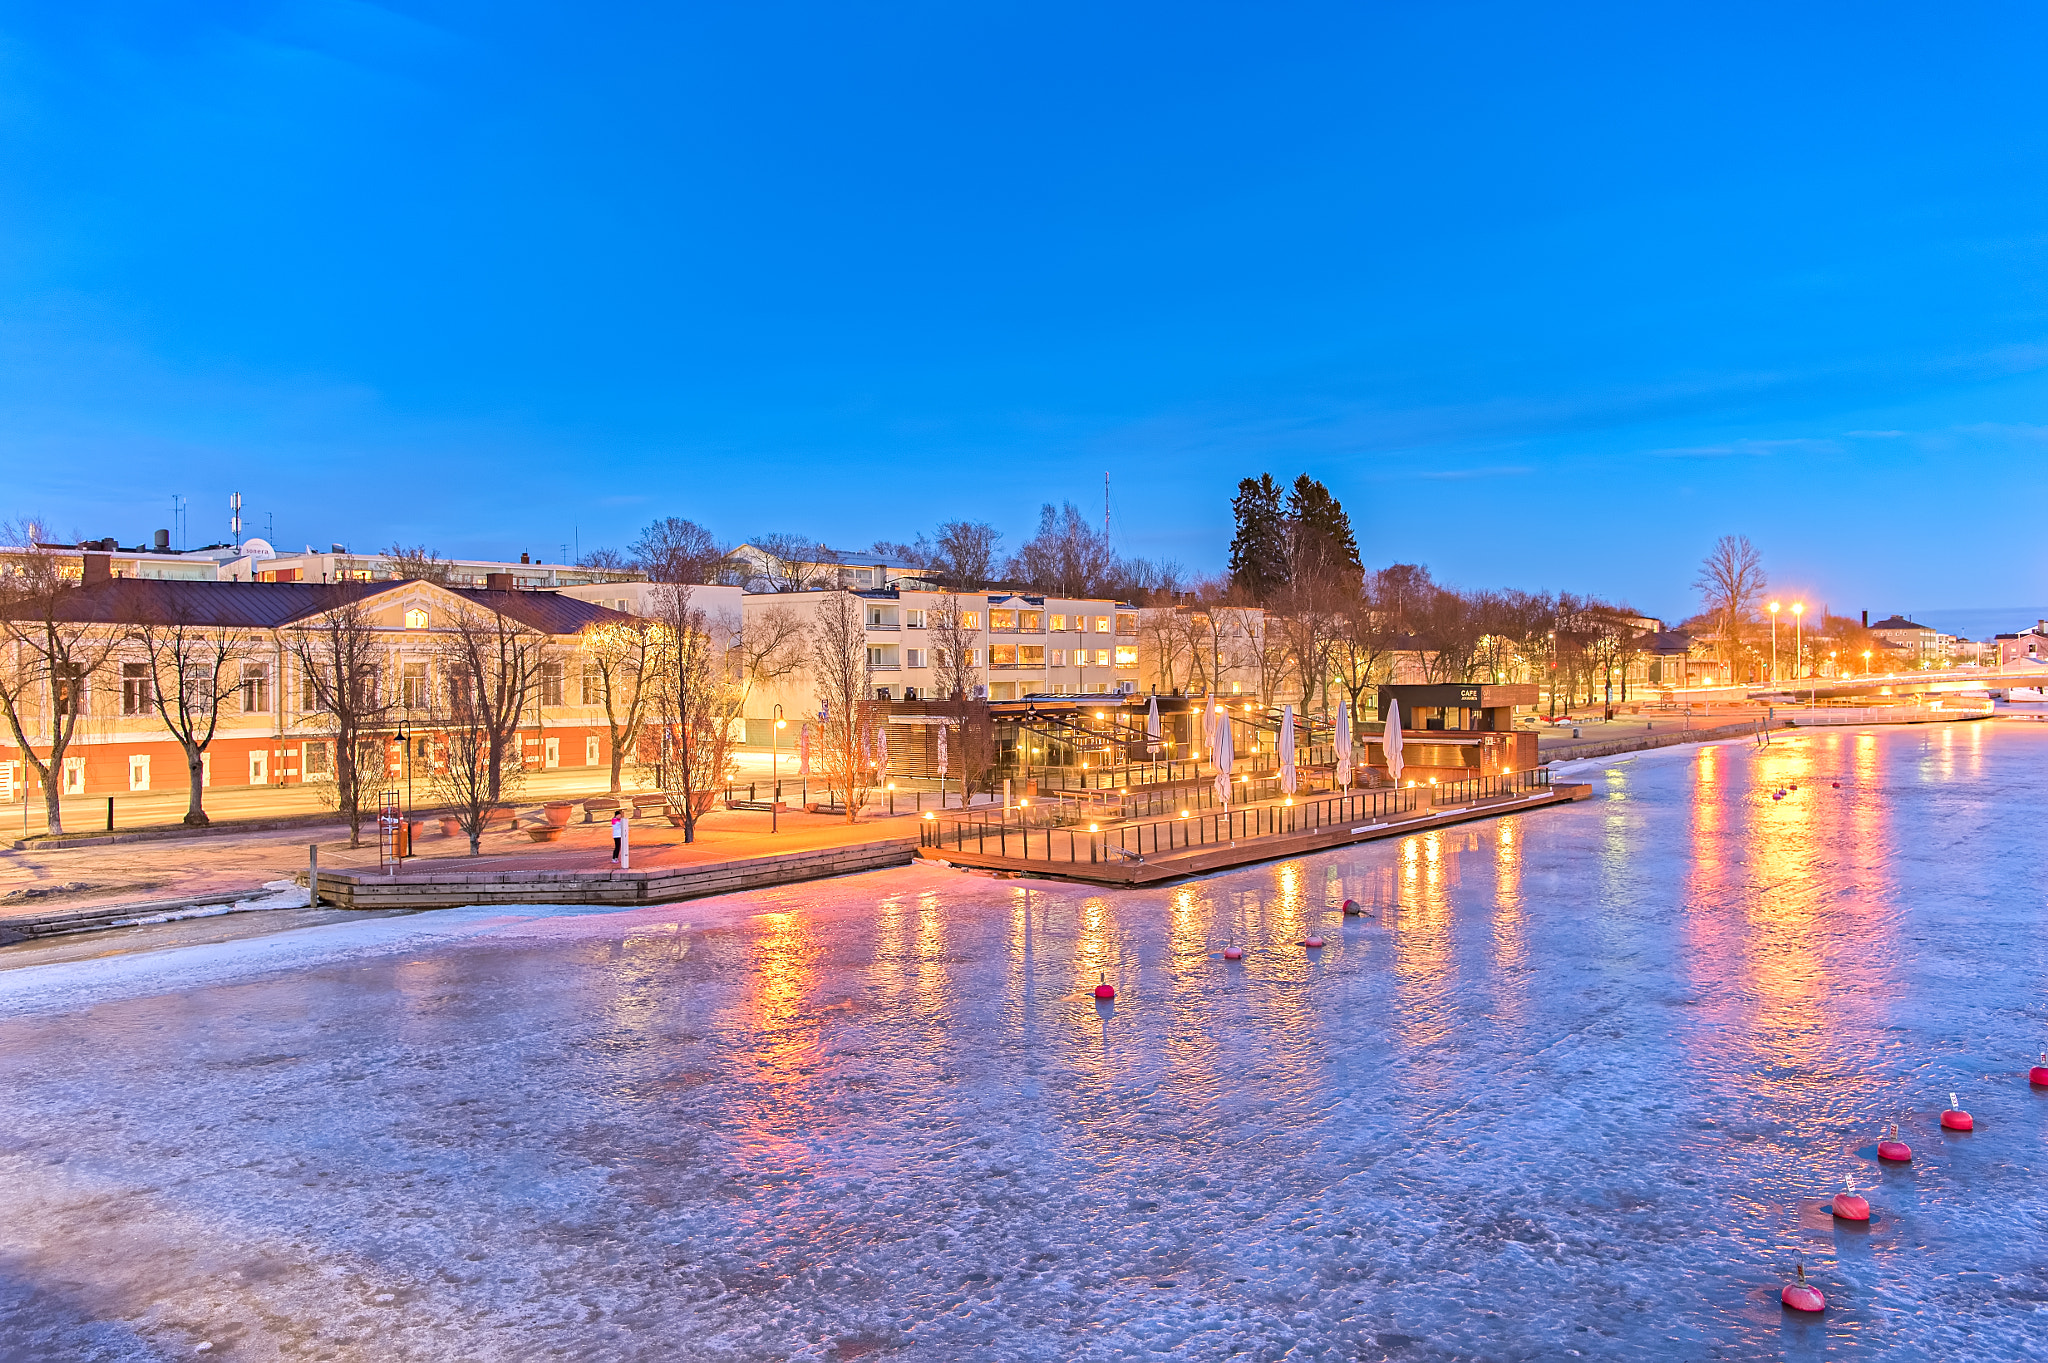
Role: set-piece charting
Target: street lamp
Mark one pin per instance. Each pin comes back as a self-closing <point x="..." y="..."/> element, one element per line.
<point x="1774" y="643"/>
<point x="1866" y="662"/>
<point x="405" y="742"/>
<point x="1798" y="635"/>
<point x="775" y="771"/>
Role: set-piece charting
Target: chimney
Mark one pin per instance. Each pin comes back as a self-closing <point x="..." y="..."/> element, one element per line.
<point x="96" y="568"/>
<point x="524" y="559"/>
<point x="1866" y="619"/>
<point x="498" y="582"/>
<point x="163" y="541"/>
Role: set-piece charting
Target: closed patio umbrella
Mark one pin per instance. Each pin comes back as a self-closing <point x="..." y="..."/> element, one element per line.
<point x="1152" y="727"/>
<point x="1391" y="743"/>
<point x="1222" y="751"/>
<point x="1344" y="745"/>
<point x="1287" y="747"/>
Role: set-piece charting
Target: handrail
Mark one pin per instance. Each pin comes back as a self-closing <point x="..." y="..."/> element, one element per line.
<point x="1134" y="841"/>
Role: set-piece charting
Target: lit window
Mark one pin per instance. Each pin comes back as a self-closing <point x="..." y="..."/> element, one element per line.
<point x="415" y="618"/>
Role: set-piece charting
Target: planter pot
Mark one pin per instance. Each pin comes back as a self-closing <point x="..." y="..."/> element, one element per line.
<point x="546" y="832"/>
<point x="450" y="827"/>
<point x="558" y="812"/>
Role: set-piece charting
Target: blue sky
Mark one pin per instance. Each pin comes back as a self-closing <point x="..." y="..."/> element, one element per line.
<point x="1549" y="296"/>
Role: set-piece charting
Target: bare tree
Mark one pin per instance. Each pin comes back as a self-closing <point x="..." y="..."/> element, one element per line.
<point x="675" y="550"/>
<point x="55" y="648"/>
<point x="614" y="676"/>
<point x="965" y="555"/>
<point x="418" y="563"/>
<point x="794" y="563"/>
<point x="338" y="655"/>
<point x="953" y="641"/>
<point x="1067" y="557"/>
<point x="1160" y="632"/>
<point x="843" y="679"/>
<point x="768" y="645"/>
<point x="605" y="560"/>
<point x="687" y="744"/>
<point x="188" y="673"/>
<point x="1731" y="582"/>
<point x="490" y="670"/>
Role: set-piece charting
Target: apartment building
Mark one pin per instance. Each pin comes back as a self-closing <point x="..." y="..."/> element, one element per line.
<point x="1022" y="645"/>
<point x="271" y="730"/>
<point x="262" y="563"/>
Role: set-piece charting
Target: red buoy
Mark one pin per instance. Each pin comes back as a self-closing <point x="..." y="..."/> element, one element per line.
<point x="1800" y="1297"/>
<point x="1850" y="1207"/>
<point x="1313" y="942"/>
<point x="1351" y="909"/>
<point x="1233" y="953"/>
<point x="1838" y="785"/>
<point x="1894" y="1149"/>
<point x="2039" y="1074"/>
<point x="1955" y="1119"/>
<point x="1105" y="990"/>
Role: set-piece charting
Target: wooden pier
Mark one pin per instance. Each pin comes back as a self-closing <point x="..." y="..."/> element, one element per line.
<point x="1148" y="852"/>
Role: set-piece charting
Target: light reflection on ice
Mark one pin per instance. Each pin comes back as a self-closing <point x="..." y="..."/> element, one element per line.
<point x="1574" y="1087"/>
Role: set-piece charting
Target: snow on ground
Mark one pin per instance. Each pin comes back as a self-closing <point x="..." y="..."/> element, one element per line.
<point x="1573" y="1090"/>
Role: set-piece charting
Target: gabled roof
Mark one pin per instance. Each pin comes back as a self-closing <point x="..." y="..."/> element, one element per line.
<point x="274" y="605"/>
<point x="547" y="612"/>
<point x="1899" y="622"/>
<point x="218" y="605"/>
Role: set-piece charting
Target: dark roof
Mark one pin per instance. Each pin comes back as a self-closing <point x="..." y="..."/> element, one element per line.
<point x="1665" y="641"/>
<point x="273" y="605"/>
<point x="226" y="605"/>
<point x="1899" y="622"/>
<point x="545" y="611"/>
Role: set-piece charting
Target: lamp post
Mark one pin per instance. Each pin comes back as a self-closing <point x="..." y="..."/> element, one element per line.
<point x="405" y="742"/>
<point x="1798" y="635"/>
<point x="775" y="771"/>
<point x="1774" y="642"/>
<point x="1866" y="662"/>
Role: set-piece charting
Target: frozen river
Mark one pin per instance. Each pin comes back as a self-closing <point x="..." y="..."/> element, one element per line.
<point x="1579" y="1088"/>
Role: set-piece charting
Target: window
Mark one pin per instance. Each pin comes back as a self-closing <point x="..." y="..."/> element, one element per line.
<point x="1127" y="624"/>
<point x="1002" y="655"/>
<point x="1002" y="620"/>
<point x="319" y="763"/>
<point x="259" y="767"/>
<point x="913" y="619"/>
<point x="309" y="693"/>
<point x="1102" y="657"/>
<point x="1059" y="657"/>
<point x="255" y="688"/>
<point x="916" y="657"/>
<point x="1030" y="655"/>
<point x="412" y="685"/>
<point x="415" y="618"/>
<point x="551" y="686"/>
<point x="1059" y="624"/>
<point x="138" y="773"/>
<point x="970" y="619"/>
<point x="882" y="657"/>
<point x="135" y="689"/>
<point x="551" y="752"/>
<point x="593" y="686"/>
<point x="1102" y="624"/>
<point x="69" y="690"/>
<point x="590" y="751"/>
<point x="1126" y="656"/>
<point x="1031" y="622"/>
<point x="74" y="775"/>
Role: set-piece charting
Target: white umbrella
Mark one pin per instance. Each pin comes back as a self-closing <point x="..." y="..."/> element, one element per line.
<point x="1287" y="747"/>
<point x="942" y="752"/>
<point x="882" y="749"/>
<point x="803" y="751"/>
<point x="1152" y="726"/>
<point x="1344" y="744"/>
<point x="1391" y="742"/>
<point x="1222" y="751"/>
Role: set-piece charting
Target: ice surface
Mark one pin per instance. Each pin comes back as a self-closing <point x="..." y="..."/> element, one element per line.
<point x="1580" y="1087"/>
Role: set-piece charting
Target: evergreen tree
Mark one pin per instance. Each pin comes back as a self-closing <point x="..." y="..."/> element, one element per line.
<point x="1258" y="553"/>
<point x="1321" y="530"/>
